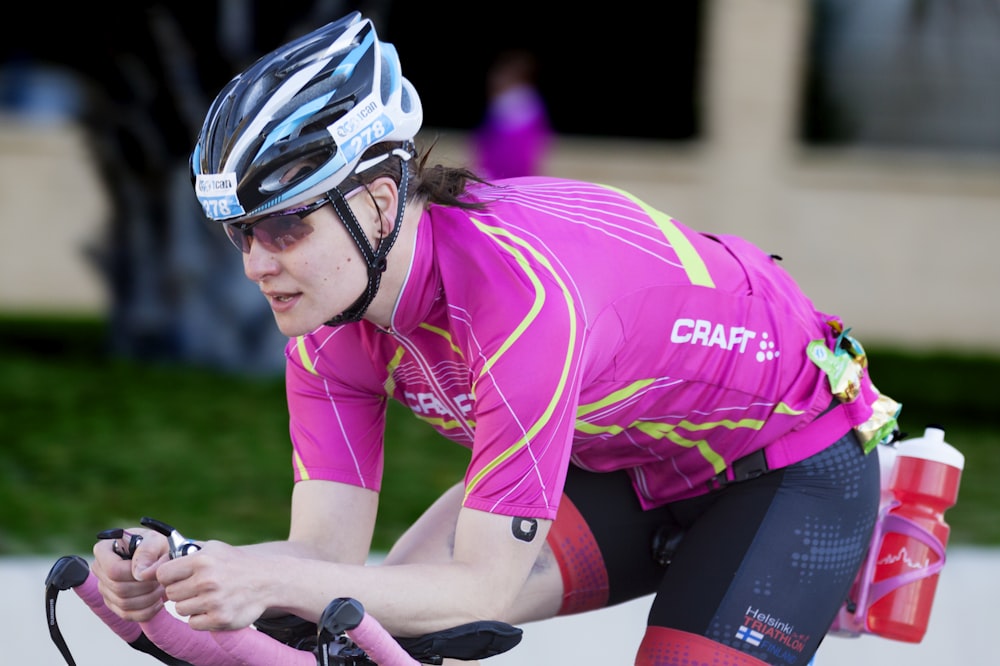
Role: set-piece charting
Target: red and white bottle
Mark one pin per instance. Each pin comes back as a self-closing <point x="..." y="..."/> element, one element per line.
<point x="911" y="551"/>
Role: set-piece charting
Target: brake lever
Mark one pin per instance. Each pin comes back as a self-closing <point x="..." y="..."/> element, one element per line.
<point x="179" y="546"/>
<point x="125" y="551"/>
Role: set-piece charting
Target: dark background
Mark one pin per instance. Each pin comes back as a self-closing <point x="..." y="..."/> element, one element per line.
<point x="627" y="73"/>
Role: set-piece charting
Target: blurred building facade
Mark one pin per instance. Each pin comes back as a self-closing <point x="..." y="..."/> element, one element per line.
<point x="892" y="217"/>
<point x="887" y="217"/>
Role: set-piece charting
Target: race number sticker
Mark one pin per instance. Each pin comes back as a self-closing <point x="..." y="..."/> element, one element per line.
<point x="217" y="195"/>
<point x="365" y="125"/>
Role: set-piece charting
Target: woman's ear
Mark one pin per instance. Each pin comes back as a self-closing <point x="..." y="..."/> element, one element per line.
<point x="384" y="196"/>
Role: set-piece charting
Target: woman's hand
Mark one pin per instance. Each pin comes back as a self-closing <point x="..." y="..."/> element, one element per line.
<point x="129" y="587"/>
<point x="217" y="588"/>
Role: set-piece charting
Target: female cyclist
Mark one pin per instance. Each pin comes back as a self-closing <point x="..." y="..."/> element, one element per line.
<point x="649" y="409"/>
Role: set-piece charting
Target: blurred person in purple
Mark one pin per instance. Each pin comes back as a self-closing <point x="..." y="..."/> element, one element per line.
<point x="514" y="136"/>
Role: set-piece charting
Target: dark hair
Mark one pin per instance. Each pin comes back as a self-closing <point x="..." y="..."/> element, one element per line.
<point x="438" y="184"/>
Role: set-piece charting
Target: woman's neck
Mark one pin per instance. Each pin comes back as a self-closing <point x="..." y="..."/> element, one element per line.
<point x="398" y="263"/>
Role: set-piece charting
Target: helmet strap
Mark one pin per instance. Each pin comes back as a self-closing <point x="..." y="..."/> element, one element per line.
<point x="375" y="257"/>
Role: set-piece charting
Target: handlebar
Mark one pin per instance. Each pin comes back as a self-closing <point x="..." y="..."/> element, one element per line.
<point x="72" y="572"/>
<point x="346" y="634"/>
<point x="347" y="616"/>
<point x="174" y="642"/>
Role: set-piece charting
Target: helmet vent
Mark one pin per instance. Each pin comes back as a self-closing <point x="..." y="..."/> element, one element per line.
<point x="385" y="81"/>
<point x="406" y="102"/>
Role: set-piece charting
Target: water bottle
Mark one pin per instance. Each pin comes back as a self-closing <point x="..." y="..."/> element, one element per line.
<point x="914" y="535"/>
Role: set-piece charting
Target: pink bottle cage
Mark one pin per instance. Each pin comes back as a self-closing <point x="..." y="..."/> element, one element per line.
<point x="869" y="592"/>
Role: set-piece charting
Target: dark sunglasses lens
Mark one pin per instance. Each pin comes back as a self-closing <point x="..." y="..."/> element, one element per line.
<point x="238" y="237"/>
<point x="274" y="233"/>
<point x="281" y="231"/>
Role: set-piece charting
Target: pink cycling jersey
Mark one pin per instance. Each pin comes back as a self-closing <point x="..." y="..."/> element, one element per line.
<point x="566" y="323"/>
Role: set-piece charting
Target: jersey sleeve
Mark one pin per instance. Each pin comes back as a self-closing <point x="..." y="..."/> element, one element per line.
<point x="525" y="345"/>
<point x="336" y="409"/>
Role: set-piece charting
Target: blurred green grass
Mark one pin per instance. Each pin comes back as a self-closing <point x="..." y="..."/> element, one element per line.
<point x="91" y="441"/>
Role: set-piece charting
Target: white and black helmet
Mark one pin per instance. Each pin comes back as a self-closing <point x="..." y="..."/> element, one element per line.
<point x="321" y="100"/>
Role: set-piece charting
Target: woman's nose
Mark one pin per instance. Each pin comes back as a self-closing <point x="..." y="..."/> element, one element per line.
<point x="258" y="263"/>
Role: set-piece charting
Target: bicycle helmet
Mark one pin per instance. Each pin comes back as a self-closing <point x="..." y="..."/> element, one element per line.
<point x="299" y="122"/>
<point x="321" y="100"/>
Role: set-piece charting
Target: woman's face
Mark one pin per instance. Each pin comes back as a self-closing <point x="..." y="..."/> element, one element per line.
<point x="318" y="276"/>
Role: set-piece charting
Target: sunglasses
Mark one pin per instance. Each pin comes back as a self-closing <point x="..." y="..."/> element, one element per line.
<point x="275" y="233"/>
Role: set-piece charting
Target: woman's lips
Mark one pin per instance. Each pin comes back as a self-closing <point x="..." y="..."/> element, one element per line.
<point x="281" y="302"/>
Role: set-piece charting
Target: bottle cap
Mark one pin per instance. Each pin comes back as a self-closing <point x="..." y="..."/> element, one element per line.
<point x="932" y="447"/>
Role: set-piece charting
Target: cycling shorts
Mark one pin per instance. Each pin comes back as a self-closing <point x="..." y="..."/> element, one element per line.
<point x="760" y="565"/>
